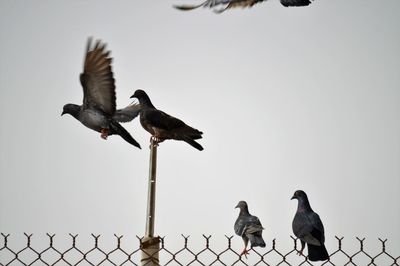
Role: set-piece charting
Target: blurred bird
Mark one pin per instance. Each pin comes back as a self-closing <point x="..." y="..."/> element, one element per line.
<point x="238" y="3"/>
<point x="163" y="126"/>
<point x="307" y="226"/>
<point x="98" y="111"/>
<point x="249" y="228"/>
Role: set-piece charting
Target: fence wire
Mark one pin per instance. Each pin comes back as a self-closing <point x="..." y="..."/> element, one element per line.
<point x="95" y="255"/>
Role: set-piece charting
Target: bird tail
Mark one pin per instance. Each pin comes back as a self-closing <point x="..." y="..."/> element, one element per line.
<point x="316" y="253"/>
<point x="256" y="240"/>
<point x="192" y="142"/>
<point x="195" y="134"/>
<point x="116" y="128"/>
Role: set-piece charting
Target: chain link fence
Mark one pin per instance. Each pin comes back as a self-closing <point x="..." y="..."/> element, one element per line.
<point x="51" y="253"/>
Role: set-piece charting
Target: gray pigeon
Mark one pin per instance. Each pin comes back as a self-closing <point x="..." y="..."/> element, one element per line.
<point x="249" y="228"/>
<point x="163" y="126"/>
<point x="238" y="3"/>
<point x="307" y="226"/>
<point x="98" y="111"/>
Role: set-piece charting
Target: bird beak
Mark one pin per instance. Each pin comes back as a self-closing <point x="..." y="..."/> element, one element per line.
<point x="133" y="96"/>
<point x="237" y="206"/>
<point x="294" y="197"/>
<point x="63" y="112"/>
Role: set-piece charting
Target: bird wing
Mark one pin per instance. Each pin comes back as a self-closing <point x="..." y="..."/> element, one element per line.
<point x="243" y="3"/>
<point x="318" y="231"/>
<point x="161" y="120"/>
<point x="97" y="79"/>
<point x="247" y="225"/>
<point x="288" y="3"/>
<point x="207" y="3"/>
<point x="253" y="225"/>
<point x="128" y="113"/>
<point x="308" y="227"/>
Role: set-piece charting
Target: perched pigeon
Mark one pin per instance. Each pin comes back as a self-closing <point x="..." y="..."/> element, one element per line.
<point x="98" y="109"/>
<point x="163" y="126"/>
<point x="307" y="226"/>
<point x="249" y="228"/>
<point x="239" y="3"/>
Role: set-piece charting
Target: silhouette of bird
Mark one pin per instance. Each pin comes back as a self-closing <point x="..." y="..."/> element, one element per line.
<point x="163" y="126"/>
<point x="249" y="228"/>
<point x="238" y="3"/>
<point x="307" y="226"/>
<point x="98" y="111"/>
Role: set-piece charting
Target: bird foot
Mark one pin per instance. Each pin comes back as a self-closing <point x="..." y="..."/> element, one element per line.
<point x="300" y="253"/>
<point x="155" y="140"/>
<point x="104" y="133"/>
<point x="245" y="252"/>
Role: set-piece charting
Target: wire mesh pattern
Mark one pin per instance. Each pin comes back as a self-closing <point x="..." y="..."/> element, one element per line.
<point x="52" y="254"/>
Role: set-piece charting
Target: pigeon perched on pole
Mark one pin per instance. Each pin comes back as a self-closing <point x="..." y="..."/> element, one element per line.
<point x="307" y="226"/>
<point x="249" y="228"/>
<point x="98" y="111"/>
<point x="163" y="126"/>
<point x="238" y="3"/>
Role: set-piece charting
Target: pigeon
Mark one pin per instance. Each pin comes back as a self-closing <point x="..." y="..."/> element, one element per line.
<point x="238" y="3"/>
<point x="307" y="226"/>
<point x="249" y="228"/>
<point x="98" y="111"/>
<point x="163" y="126"/>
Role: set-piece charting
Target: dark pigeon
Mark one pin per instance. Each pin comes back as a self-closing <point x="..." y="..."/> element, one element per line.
<point x="249" y="228"/>
<point x="163" y="126"/>
<point x="238" y="3"/>
<point x="98" y="111"/>
<point x="307" y="226"/>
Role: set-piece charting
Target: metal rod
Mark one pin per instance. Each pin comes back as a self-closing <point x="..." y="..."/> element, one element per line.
<point x="151" y="196"/>
<point x="150" y="245"/>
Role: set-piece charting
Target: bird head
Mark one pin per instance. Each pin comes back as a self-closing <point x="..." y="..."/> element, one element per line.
<point x="143" y="98"/>
<point x="139" y="94"/>
<point x="71" y="109"/>
<point x="299" y="194"/>
<point x="242" y="204"/>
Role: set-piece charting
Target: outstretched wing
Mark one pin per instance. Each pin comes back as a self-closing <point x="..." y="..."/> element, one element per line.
<point x="243" y="3"/>
<point x="128" y="113"/>
<point x="207" y="3"/>
<point x="97" y="79"/>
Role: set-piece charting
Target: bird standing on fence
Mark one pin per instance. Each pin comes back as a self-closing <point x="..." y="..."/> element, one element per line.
<point x="238" y="3"/>
<point x="98" y="111"/>
<point x="308" y="227"/>
<point x="249" y="228"/>
<point x="163" y="126"/>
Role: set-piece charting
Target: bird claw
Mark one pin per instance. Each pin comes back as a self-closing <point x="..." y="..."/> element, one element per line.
<point x="245" y="253"/>
<point x="300" y="253"/>
<point x="155" y="140"/>
<point x="104" y="133"/>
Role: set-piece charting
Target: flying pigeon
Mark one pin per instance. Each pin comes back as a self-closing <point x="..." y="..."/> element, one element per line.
<point x="307" y="226"/>
<point x="98" y="111"/>
<point x="249" y="228"/>
<point x="238" y="3"/>
<point x="163" y="126"/>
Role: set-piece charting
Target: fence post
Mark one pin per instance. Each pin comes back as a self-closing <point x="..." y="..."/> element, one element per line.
<point x="150" y="245"/>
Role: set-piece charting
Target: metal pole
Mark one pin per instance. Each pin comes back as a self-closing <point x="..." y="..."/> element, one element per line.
<point x="151" y="195"/>
<point x="150" y="245"/>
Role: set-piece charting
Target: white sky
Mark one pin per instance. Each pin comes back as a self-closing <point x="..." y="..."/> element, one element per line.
<point x="287" y="98"/>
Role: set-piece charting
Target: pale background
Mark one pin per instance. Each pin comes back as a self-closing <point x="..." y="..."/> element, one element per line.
<point x="287" y="98"/>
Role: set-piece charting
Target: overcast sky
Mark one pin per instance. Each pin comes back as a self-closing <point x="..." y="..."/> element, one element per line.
<point x="287" y="98"/>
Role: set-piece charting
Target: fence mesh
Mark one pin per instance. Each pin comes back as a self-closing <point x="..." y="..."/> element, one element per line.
<point x="97" y="254"/>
